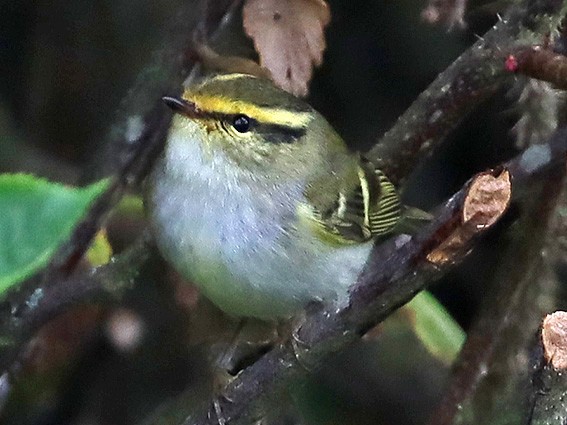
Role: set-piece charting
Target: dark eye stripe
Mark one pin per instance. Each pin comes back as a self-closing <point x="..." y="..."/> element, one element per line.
<point x="273" y="133"/>
<point x="280" y="134"/>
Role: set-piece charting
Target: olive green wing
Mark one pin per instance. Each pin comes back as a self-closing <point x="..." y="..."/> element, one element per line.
<point x="368" y="208"/>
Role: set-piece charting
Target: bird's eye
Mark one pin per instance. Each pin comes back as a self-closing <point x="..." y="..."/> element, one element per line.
<point x="241" y="123"/>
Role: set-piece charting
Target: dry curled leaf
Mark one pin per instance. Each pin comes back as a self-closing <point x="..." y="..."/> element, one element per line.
<point x="486" y="201"/>
<point x="554" y="339"/>
<point x="289" y="37"/>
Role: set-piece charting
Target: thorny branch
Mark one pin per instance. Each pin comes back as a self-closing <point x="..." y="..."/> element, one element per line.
<point x="541" y="63"/>
<point x="473" y="77"/>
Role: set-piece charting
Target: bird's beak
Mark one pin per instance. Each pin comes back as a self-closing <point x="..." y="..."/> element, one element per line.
<point x="182" y="106"/>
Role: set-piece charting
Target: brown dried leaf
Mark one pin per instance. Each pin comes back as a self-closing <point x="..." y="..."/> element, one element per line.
<point x="554" y="339"/>
<point x="289" y="37"/>
<point x="487" y="199"/>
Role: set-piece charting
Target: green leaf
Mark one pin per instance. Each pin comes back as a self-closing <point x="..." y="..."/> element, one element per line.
<point x="36" y="216"/>
<point x="435" y="328"/>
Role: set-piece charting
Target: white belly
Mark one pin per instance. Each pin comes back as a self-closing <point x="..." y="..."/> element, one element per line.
<point x="242" y="248"/>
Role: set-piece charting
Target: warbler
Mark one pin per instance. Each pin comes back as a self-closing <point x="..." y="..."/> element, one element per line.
<point x="259" y="202"/>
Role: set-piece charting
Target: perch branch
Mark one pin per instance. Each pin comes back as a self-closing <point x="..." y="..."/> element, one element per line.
<point x="395" y="272"/>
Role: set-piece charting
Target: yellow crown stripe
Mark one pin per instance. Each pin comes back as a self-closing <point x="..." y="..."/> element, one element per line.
<point x="230" y="77"/>
<point x="266" y="115"/>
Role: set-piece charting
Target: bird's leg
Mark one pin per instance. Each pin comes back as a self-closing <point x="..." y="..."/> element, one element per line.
<point x="250" y="340"/>
<point x="225" y="360"/>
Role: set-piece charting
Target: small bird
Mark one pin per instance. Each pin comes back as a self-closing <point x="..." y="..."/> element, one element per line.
<point x="257" y="200"/>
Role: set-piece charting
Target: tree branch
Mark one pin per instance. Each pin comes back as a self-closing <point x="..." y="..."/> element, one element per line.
<point x="472" y="78"/>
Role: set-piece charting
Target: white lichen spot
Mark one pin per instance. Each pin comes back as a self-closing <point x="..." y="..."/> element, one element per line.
<point x="401" y="240"/>
<point x="435" y="116"/>
<point x="426" y="145"/>
<point x="32" y="301"/>
<point x="535" y="157"/>
<point x="134" y="127"/>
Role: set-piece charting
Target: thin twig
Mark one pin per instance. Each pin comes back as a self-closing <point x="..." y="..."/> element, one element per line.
<point x="541" y="63"/>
